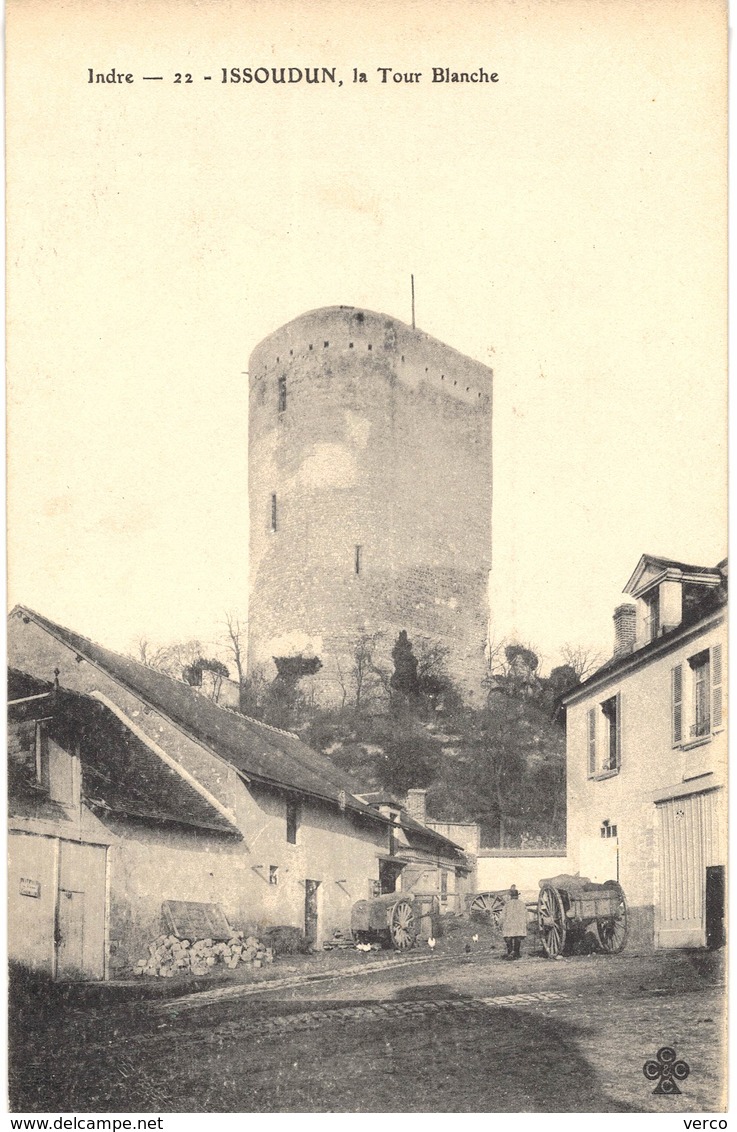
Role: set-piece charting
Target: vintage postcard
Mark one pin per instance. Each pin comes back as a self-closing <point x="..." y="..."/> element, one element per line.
<point x="367" y="632"/>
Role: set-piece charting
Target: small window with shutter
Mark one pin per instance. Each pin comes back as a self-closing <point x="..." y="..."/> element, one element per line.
<point x="676" y="683"/>
<point x="612" y="712"/>
<point x="700" y="694"/>
<point x="604" y="737"/>
<point x="591" y="724"/>
<point x="716" y="687"/>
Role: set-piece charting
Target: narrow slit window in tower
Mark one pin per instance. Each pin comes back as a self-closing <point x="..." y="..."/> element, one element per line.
<point x="282" y="393"/>
<point x="273" y="510"/>
<point x="358" y="559"/>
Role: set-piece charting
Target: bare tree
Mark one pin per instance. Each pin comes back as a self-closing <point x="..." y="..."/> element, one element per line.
<point x="172" y="659"/>
<point x="183" y="654"/>
<point x="358" y="674"/>
<point x="582" y="660"/>
<point x="496" y="661"/>
<point x="235" y="634"/>
<point x="365" y="672"/>
<point x="153" y="656"/>
<point x="341" y="679"/>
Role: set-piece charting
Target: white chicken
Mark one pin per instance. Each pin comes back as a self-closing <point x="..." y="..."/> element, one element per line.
<point x="431" y="943"/>
<point x="475" y="938"/>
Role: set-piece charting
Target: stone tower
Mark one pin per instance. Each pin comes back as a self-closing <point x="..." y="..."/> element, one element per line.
<point x="369" y="493"/>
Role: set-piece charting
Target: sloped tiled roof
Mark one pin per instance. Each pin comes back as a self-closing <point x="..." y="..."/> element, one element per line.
<point x="416" y="831"/>
<point x="260" y="752"/>
<point x="120" y="774"/>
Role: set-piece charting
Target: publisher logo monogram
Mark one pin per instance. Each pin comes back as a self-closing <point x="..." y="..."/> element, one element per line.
<point x="666" y="1069"/>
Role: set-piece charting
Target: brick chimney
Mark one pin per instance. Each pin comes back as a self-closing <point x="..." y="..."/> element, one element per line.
<point x="625" y="617"/>
<point x="416" y="805"/>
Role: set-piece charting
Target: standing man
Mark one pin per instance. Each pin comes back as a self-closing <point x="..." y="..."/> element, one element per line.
<point x="514" y="924"/>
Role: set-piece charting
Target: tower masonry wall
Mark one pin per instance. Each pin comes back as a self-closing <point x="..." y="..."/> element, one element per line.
<point x="370" y="494"/>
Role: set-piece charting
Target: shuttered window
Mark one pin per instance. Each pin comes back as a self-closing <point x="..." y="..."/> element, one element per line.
<point x="592" y="740"/>
<point x="677" y="703"/>
<point x="612" y="712"/>
<point x="716" y="686"/>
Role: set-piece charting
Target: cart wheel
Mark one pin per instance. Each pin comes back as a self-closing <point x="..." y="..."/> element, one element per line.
<point x="402" y="925"/>
<point x="612" y="930"/>
<point x="551" y="919"/>
<point x="489" y="905"/>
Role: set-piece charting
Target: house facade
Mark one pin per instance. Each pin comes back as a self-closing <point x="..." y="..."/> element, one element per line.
<point x="422" y="861"/>
<point x="130" y="789"/>
<point x="647" y="757"/>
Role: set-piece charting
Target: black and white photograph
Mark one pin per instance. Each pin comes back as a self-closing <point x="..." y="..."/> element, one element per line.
<point x="367" y="560"/>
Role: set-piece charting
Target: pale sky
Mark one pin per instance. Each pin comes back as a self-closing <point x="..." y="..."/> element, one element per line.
<point x="565" y="225"/>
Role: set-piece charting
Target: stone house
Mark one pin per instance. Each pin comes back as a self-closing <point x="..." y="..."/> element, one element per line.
<point x="647" y="757"/>
<point x="422" y="860"/>
<point x="128" y="789"/>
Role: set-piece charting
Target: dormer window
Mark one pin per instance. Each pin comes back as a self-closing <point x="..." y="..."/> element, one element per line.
<point x="29" y="755"/>
<point x="671" y="593"/>
<point x="652" y="615"/>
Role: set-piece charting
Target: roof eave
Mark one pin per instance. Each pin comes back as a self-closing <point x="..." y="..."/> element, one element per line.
<point x="246" y="775"/>
<point x="286" y="788"/>
<point x="653" y="649"/>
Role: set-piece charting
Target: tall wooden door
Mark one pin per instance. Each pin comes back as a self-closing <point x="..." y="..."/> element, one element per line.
<point x="311" y="887"/>
<point x="70" y="934"/>
<point x="80" y="915"/>
<point x="689" y="842"/>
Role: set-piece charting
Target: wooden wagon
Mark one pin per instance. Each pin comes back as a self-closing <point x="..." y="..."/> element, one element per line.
<point x="487" y="905"/>
<point x="389" y="919"/>
<point x="568" y="906"/>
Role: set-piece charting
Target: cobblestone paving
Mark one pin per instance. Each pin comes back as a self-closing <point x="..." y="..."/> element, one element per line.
<point x="311" y="1019"/>
<point x="245" y="990"/>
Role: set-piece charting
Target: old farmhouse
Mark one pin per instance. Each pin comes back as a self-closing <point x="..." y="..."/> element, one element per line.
<point x="129" y="789"/>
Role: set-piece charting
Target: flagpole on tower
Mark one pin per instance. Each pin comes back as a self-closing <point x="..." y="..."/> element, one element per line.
<point x="413" y="301"/>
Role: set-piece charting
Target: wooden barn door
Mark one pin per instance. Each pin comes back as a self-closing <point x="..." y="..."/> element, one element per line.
<point x="687" y="844"/>
<point x="80" y="915"/>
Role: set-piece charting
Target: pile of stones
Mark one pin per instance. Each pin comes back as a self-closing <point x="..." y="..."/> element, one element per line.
<point x="169" y="956"/>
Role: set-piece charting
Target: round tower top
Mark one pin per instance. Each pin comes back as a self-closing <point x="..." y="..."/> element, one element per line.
<point x="346" y="328"/>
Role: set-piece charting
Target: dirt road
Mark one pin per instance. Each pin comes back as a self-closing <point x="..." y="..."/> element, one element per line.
<point x="461" y="1033"/>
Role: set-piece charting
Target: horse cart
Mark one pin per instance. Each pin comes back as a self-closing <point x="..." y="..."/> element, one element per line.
<point x="487" y="906"/>
<point x="569" y="906"/>
<point x="389" y="919"/>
